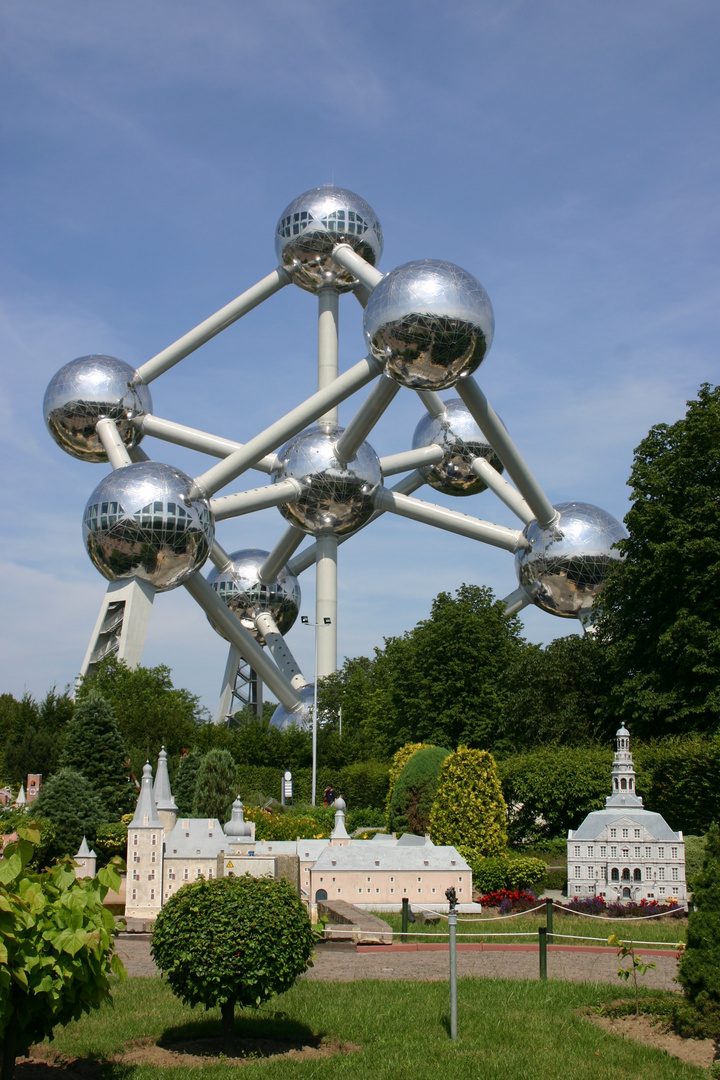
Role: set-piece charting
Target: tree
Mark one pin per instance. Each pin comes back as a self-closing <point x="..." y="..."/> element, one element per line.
<point x="33" y="734"/>
<point x="398" y="763"/>
<point x="215" y="787"/>
<point x="469" y="808"/>
<point x="414" y="791"/>
<point x="658" y="609"/>
<point x="699" y="970"/>
<point x="186" y="782"/>
<point x="74" y="808"/>
<point x="95" y="748"/>
<point x="56" y="947"/>
<point x="232" y="941"/>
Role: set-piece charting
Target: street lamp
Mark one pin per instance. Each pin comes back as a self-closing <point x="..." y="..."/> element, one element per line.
<point x="326" y="622"/>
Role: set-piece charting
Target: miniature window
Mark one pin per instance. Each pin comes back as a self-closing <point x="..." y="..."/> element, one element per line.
<point x="392" y="890"/>
<point x="420" y="890"/>
<point x="186" y="875"/>
<point x="377" y="890"/>
<point x="152" y="856"/>
<point x="152" y="894"/>
<point x="134" y="894"/>
<point x="603" y="849"/>
<point x="321" y="879"/>
<point x="339" y="889"/>
<point x="625" y="834"/>
<point x="648" y="872"/>
<point x="432" y="890"/>
<point x="613" y="852"/>
<point x="675" y="873"/>
<point x="377" y="862"/>
<point x="199" y="873"/>
<point x="674" y="853"/>
<point x="151" y="875"/>
<point x="637" y="834"/>
<point x="661" y="890"/>
<point x="419" y="879"/>
<point x="153" y="838"/>
<point x="460" y="878"/>
<point x="590" y="850"/>
<point x="613" y="833"/>
<point x="136" y="875"/>
<point x="626" y="853"/>
<point x="590" y="872"/>
<point x="392" y="878"/>
<point x="210" y="874"/>
<point x="577" y="871"/>
<point x="577" y="849"/>
<point x="661" y="852"/>
<point x="648" y="852"/>
<point x="661" y="873"/>
<point x="136" y="857"/>
<point x="360" y="888"/>
<point x="135" y="839"/>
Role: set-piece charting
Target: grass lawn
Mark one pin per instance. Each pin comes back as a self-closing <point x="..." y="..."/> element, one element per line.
<point x="670" y="931"/>
<point x="510" y="1030"/>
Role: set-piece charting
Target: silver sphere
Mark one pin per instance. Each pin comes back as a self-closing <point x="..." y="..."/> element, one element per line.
<point x="141" y="522"/>
<point x="311" y="226"/>
<point x="461" y="440"/>
<point x="89" y="389"/>
<point x="568" y="562"/>
<point x="283" y="720"/>
<point x="336" y="497"/>
<point x="430" y="323"/>
<point x="241" y="590"/>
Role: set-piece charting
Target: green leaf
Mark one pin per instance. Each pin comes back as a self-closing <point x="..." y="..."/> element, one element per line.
<point x="10" y="868"/>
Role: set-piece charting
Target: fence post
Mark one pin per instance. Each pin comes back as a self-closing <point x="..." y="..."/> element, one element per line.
<point x="549" y="919"/>
<point x="404" y="924"/>
<point x="542" y="935"/>
<point x="452" y="926"/>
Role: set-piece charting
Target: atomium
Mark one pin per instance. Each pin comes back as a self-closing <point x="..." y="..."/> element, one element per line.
<point x="430" y="322"/>
<point x="336" y="496"/>
<point x="313" y="224"/>
<point x="284" y="720"/>
<point x="567" y="564"/>
<point x="89" y="389"/>
<point x="242" y="591"/>
<point x="461" y="441"/>
<point x="142" y="522"/>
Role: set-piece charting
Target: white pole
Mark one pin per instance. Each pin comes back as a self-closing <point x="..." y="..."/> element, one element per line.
<point x="496" y="434"/>
<point x="504" y="491"/>
<point x="326" y="603"/>
<point x="193" y="439"/>
<point x="290" y="424"/>
<point x="411" y="459"/>
<point x="518" y="599"/>
<point x="290" y="541"/>
<point x="328" y="348"/>
<point x="314" y="721"/>
<point x="245" y="502"/>
<point x="364" y="271"/>
<point x="213" y="325"/>
<point x="450" y="520"/>
<point x="433" y="403"/>
<point x="365" y="418"/>
<point x="112" y="444"/>
<point x="340" y="717"/>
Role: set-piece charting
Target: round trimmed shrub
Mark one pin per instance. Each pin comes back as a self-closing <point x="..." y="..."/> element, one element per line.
<point x="469" y="808"/>
<point x="414" y="791"/>
<point x="232" y="941"/>
<point x="398" y="763"/>
<point x="500" y="872"/>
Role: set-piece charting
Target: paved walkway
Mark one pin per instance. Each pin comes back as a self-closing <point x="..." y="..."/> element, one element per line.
<point x="345" y="963"/>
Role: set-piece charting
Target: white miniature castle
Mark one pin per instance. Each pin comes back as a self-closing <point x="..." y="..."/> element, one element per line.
<point x="625" y="852"/>
<point x="164" y="852"/>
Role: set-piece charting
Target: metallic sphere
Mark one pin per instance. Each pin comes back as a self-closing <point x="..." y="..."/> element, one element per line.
<point x="89" y="389"/>
<point x="141" y="522"/>
<point x="430" y="323"/>
<point x="283" y="720"/>
<point x="461" y="440"/>
<point x="311" y="226"/>
<point x="567" y="563"/>
<point x="241" y="590"/>
<point x="337" y="497"/>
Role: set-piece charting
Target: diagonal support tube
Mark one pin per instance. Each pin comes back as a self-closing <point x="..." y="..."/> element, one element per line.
<point x="493" y="430"/>
<point x="289" y="542"/>
<point x="245" y="502"/>
<point x="433" y="403"/>
<point x="411" y="459"/>
<point x="364" y="420"/>
<point x="504" y="491"/>
<point x="116" y="450"/>
<point x="194" y="439"/>
<point x="211" y="326"/>
<point x="290" y="424"/>
<point x="450" y="520"/>
<point x="518" y="599"/>
<point x="278" y="649"/>
<point x="364" y="271"/>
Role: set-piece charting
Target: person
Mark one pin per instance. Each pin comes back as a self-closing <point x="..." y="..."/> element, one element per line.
<point x="330" y="796"/>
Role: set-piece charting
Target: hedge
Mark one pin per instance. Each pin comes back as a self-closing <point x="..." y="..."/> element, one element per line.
<point x="364" y="784"/>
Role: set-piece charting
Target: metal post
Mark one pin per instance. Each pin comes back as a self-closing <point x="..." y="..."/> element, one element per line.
<point x="452" y="923"/>
<point x="549" y="919"/>
<point x="404" y="922"/>
<point x="328" y="314"/>
<point x="450" y="520"/>
<point x="542" y="935"/>
<point x="326" y="604"/>
<point x="314" y="721"/>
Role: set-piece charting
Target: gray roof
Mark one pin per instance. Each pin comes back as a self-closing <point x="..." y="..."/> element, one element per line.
<point x="146" y="815"/>
<point x="196" y="838"/>
<point x="409" y="839"/>
<point x="310" y="849"/>
<point x="598" y="820"/>
<point x="84" y="852"/>
<point x="365" y="855"/>
<point x="161" y="788"/>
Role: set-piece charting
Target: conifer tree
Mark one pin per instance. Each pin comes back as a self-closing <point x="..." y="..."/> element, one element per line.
<point x="215" y="787"/>
<point x="95" y="748"/>
<point x="699" y="972"/>
<point x="186" y="781"/>
<point x="69" y="801"/>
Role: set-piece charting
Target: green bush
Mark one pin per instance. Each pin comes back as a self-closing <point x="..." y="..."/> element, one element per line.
<point x="414" y="791"/>
<point x="556" y="879"/>
<point x="232" y="941"/>
<point x="74" y="809"/>
<point x="501" y="872"/>
<point x="694" y="855"/>
<point x="398" y="763"/>
<point x="468" y="807"/>
<point x="364" y="784"/>
<point x="111" y="841"/>
<point x="699" y="971"/>
<point x="215" y="787"/>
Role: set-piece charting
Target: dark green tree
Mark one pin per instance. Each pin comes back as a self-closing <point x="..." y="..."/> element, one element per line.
<point x="74" y="808"/>
<point x="95" y="748"/>
<point x="699" y="970"/>
<point x="658" y="610"/>
<point x="414" y="791"/>
<point x="33" y="734"/>
<point x="215" y="787"/>
<point x="186" y="781"/>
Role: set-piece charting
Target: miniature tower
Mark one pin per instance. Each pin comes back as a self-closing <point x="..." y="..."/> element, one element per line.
<point x="86" y="861"/>
<point x="144" y="854"/>
<point x="339" y="836"/>
<point x="163" y="796"/>
<point x="623" y="773"/>
<point x="237" y="829"/>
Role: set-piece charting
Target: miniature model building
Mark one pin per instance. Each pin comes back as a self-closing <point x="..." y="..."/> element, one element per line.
<point x="625" y="852"/>
<point x="164" y="852"/>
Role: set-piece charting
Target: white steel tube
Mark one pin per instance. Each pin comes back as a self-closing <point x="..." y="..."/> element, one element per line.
<point x="213" y="325"/>
<point x="517" y="600"/>
<point x="326" y="604"/>
<point x="219" y="557"/>
<point x="244" y="642"/>
<point x="138" y="454"/>
<point x="433" y="403"/>
<point x="290" y="424"/>
<point x="364" y="271"/>
<point x="504" y="491"/>
<point x="245" y="502"/>
<point x="313" y="791"/>
<point x="277" y="646"/>
<point x="289" y="542"/>
<point x="493" y="430"/>
<point x="328" y="347"/>
<point x="411" y="459"/>
<point x="364" y="420"/>
<point x="194" y="439"/>
<point x="362" y="295"/>
<point x="450" y="520"/>
<point x="114" y="447"/>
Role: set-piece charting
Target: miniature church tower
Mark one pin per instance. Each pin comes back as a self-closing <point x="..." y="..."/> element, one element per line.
<point x="86" y="861"/>
<point x="622" y="777"/>
<point x="163" y="796"/>
<point x="144" y="854"/>
<point x="339" y="836"/>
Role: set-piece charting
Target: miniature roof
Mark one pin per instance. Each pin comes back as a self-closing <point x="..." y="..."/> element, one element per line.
<point x="237" y="825"/>
<point x="84" y="852"/>
<point x="196" y="838"/>
<point x="409" y="839"/>
<point x="598" y="820"/>
<point x="146" y="815"/>
<point x="364" y="855"/>
<point x="161" y="788"/>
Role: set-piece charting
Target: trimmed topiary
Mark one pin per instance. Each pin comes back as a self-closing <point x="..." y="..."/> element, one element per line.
<point x="232" y="941"/>
<point x="414" y="791"/>
<point x="468" y="807"/>
<point x="698" y="1015"/>
<point x="398" y="763"/>
<point x="500" y="872"/>
<point x="215" y="786"/>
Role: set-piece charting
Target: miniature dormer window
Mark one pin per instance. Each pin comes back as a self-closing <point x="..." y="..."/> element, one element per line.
<point x="377" y="862"/>
<point x="153" y="838"/>
<point x="426" y="862"/>
<point x="452" y="862"/>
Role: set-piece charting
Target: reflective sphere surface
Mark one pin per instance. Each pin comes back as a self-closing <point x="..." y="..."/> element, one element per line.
<point x="283" y="720"/>
<point x="569" y="561"/>
<point x="336" y="497"/>
<point x="89" y="389"/>
<point x="141" y="522"/>
<point x="311" y="226"/>
<point x="430" y="322"/>
<point x="461" y="440"/>
<point x="241" y="590"/>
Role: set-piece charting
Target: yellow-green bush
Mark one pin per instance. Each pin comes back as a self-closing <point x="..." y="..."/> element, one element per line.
<point x="469" y="808"/>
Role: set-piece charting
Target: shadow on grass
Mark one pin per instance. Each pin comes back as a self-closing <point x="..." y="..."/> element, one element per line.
<point x="249" y="1028"/>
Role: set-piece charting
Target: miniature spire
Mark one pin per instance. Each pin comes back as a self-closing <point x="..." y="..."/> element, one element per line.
<point x="339" y="831"/>
<point x="146" y="811"/>
<point x="162" y="794"/>
<point x="623" y="773"/>
<point x="21" y="800"/>
<point x="237" y="825"/>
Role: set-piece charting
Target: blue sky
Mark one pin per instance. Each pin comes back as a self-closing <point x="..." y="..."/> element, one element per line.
<point x="565" y="153"/>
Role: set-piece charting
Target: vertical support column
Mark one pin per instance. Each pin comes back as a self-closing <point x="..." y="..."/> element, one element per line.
<point x="326" y="604"/>
<point x="242" y="689"/>
<point x="542" y="937"/>
<point x="122" y="624"/>
<point x="228" y="685"/>
<point x="549" y="919"/>
<point x="328" y="315"/>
